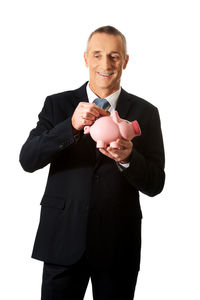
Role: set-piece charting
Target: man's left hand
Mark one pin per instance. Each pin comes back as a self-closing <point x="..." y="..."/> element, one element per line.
<point x="121" y="153"/>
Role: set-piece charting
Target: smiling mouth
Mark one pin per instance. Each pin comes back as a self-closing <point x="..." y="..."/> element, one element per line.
<point x="105" y="75"/>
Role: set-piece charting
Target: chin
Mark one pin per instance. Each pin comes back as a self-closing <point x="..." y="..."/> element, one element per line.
<point x="105" y="87"/>
<point x="105" y="83"/>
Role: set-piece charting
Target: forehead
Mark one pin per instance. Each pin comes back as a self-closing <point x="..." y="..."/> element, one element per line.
<point x="105" y="42"/>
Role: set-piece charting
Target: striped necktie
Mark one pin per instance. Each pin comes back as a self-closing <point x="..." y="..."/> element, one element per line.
<point x="103" y="103"/>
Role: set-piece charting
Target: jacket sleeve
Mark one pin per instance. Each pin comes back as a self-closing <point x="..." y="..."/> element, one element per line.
<point x="46" y="140"/>
<point x="146" y="170"/>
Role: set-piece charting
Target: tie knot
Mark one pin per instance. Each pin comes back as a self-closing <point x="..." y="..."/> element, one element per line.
<point x="103" y="103"/>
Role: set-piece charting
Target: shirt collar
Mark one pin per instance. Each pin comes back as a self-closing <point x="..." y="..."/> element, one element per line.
<point x="112" y="99"/>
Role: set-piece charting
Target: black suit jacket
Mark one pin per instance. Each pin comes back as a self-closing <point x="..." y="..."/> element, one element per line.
<point x="89" y="205"/>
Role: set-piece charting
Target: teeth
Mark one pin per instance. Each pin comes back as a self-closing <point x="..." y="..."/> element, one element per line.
<point x="105" y="75"/>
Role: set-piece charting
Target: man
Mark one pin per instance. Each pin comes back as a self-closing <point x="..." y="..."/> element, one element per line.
<point x="90" y="224"/>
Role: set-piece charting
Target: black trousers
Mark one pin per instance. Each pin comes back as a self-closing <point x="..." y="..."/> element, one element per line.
<point x="70" y="282"/>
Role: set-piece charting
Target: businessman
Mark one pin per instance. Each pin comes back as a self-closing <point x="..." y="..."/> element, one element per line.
<point x="90" y="223"/>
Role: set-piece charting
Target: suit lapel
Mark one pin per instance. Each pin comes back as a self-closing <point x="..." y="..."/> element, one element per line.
<point x="80" y="95"/>
<point x="123" y="104"/>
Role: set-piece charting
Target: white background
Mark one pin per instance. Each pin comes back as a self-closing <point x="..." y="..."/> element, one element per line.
<point x="42" y="44"/>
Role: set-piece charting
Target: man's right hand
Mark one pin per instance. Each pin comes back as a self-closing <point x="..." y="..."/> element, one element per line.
<point x="85" y="114"/>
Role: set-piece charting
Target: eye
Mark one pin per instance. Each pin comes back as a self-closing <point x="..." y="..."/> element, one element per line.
<point x="97" y="56"/>
<point x="115" y="57"/>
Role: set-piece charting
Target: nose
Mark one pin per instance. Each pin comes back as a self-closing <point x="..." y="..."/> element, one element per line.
<point x="106" y="63"/>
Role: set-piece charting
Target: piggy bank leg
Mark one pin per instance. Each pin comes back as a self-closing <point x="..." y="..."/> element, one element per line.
<point x="101" y="144"/>
<point x="113" y="145"/>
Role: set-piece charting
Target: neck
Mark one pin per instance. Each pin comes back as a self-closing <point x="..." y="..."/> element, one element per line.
<point x="103" y="93"/>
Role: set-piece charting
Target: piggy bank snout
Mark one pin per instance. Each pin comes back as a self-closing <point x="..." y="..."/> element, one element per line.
<point x="136" y="128"/>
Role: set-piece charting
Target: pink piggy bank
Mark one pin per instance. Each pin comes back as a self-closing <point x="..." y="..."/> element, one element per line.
<point x="106" y="130"/>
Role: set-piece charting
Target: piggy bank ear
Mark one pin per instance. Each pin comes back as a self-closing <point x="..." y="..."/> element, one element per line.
<point x="115" y="117"/>
<point x="86" y="129"/>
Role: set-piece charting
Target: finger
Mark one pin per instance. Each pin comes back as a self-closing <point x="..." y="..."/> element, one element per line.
<point x="101" y="111"/>
<point x="88" y="116"/>
<point x="91" y="110"/>
<point x="86" y="123"/>
<point x="118" y="157"/>
<point x="105" y="152"/>
<point x="119" y="154"/>
<point x="123" y="144"/>
<point x="114" y="150"/>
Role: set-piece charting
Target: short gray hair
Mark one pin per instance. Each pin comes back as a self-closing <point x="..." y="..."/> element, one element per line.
<point x="109" y="30"/>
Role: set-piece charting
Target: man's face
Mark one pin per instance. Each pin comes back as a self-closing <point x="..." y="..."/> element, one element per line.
<point x="106" y="60"/>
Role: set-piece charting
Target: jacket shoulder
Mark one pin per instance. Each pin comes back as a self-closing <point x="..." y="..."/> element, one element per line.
<point x="61" y="105"/>
<point x="140" y="101"/>
<point x="76" y="93"/>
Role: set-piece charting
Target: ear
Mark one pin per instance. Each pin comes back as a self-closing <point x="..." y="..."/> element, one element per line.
<point x="115" y="116"/>
<point x="85" y="59"/>
<point x="125" y="62"/>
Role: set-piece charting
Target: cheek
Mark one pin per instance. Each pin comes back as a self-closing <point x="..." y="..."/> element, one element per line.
<point x="92" y="69"/>
<point x="119" y="69"/>
<point x="92" y="64"/>
<point x="95" y="68"/>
